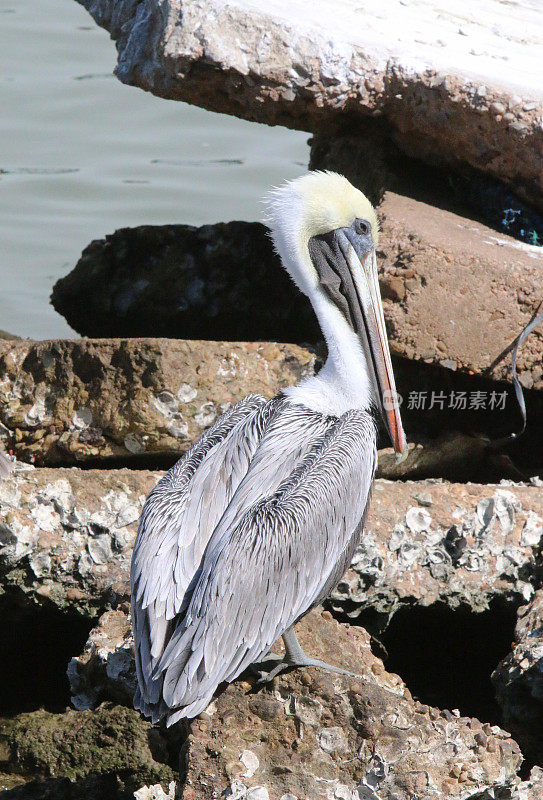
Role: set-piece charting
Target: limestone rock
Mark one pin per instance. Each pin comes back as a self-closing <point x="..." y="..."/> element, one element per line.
<point x="453" y="88"/>
<point x="129" y="401"/>
<point x="518" y="679"/>
<point x="214" y="282"/>
<point x="66" y="536"/>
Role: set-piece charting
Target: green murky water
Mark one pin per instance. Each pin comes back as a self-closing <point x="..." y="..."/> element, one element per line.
<point x="82" y="155"/>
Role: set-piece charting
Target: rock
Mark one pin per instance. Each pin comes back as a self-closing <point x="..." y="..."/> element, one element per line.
<point x="129" y="401"/>
<point x="155" y="792"/>
<point x="366" y="154"/>
<point x="531" y="788"/>
<point x="113" y="743"/>
<point x="66" y="537"/>
<point x="315" y="734"/>
<point x="456" y="294"/>
<point x="462" y="304"/>
<point x="105" y="670"/>
<point x="214" y="282"/>
<point x="518" y="679"/>
<point x="308" y="67"/>
<point x="430" y="541"/>
<point x="452" y="456"/>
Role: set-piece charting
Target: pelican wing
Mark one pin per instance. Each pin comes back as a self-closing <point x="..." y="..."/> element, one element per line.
<point x="177" y="522"/>
<point x="265" y="568"/>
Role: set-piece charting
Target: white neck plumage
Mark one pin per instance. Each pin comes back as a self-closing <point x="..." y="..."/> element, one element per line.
<point x="344" y="381"/>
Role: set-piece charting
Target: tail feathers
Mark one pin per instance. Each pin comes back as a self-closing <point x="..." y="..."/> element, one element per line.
<point x="155" y="711"/>
<point x="158" y="711"/>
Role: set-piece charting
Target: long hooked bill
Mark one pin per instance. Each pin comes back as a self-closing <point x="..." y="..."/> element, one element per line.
<point x="374" y="339"/>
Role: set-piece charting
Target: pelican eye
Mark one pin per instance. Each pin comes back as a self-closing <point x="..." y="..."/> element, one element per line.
<point x="362" y="227"/>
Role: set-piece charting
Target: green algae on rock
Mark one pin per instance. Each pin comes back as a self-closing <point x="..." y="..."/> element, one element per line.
<point x="113" y="740"/>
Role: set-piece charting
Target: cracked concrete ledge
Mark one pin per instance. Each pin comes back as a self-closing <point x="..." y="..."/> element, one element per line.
<point x="460" y="86"/>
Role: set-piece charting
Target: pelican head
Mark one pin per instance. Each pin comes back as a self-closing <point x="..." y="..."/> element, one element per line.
<point x="326" y="231"/>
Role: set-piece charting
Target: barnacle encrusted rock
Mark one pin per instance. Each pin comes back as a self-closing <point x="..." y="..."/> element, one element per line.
<point x="452" y="87"/>
<point x="67" y="401"/>
<point x="315" y="734"/>
<point x="155" y="792"/>
<point x="518" y="679"/>
<point x="66" y="535"/>
<point x="430" y="541"/>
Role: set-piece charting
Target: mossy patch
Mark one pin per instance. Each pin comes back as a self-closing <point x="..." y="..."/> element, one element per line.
<point x="113" y="740"/>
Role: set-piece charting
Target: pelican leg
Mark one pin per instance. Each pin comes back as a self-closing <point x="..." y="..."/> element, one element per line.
<point x="264" y="665"/>
<point x="295" y="657"/>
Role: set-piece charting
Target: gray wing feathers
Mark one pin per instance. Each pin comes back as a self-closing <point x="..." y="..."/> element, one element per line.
<point x="177" y="521"/>
<point x="259" y="576"/>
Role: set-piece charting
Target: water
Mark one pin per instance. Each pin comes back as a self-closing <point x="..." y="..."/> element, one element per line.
<point x="83" y="155"/>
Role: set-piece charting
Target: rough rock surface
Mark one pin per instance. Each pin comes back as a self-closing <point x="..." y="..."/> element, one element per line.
<point x="319" y="735"/>
<point x="530" y="789"/>
<point x="518" y="679"/>
<point x="105" y="670"/>
<point x="451" y="456"/>
<point x="67" y="401"/>
<point x="453" y="87"/>
<point x="66" y="535"/>
<point x="213" y="282"/>
<point x="456" y="543"/>
<point x="455" y="292"/>
<point x="112" y="744"/>
<point x="155" y="792"/>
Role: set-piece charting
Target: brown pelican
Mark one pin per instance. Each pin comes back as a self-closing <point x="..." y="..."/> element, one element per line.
<point x="257" y="523"/>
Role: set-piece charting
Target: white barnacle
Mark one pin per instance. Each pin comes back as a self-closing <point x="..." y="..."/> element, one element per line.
<point x="186" y="393"/>
<point x="206" y="415"/>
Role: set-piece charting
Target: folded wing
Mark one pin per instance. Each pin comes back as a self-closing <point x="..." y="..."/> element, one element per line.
<point x="262" y="571"/>
<point x="177" y="521"/>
